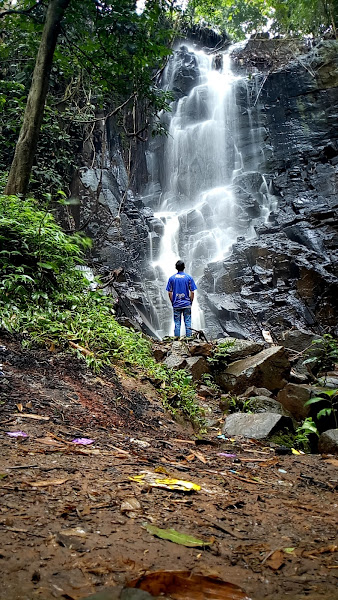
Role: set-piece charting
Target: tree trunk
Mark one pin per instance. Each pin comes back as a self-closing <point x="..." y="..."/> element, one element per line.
<point x="21" y="167"/>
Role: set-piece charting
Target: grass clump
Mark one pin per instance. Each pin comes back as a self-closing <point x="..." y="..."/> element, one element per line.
<point x="46" y="299"/>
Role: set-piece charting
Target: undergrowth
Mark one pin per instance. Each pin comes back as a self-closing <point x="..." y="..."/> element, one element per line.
<point x="44" y="298"/>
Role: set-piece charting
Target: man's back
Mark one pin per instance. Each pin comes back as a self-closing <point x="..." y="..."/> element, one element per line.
<point x="181" y="284"/>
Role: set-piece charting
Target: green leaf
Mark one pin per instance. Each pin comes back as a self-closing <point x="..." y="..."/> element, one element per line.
<point x="175" y="536"/>
<point x="313" y="400"/>
<point x="325" y="412"/>
<point x="45" y="265"/>
<point x="310" y="360"/>
<point x="331" y="392"/>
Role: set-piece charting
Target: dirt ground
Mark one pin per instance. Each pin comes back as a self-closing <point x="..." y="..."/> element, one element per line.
<point x="72" y="521"/>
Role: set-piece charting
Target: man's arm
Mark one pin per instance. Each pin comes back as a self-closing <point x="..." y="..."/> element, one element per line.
<point x="191" y="296"/>
<point x="170" y="294"/>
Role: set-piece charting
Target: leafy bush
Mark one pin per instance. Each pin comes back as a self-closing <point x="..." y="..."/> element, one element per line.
<point x="36" y="257"/>
<point x="46" y="299"/>
<point x="220" y="354"/>
<point x="330" y="400"/>
<point x="322" y="354"/>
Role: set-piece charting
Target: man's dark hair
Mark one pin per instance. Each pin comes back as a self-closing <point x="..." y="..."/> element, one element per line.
<point x="180" y="265"/>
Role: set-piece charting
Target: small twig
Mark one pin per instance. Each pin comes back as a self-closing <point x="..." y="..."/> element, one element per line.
<point x="260" y="89"/>
<point x="24" y="467"/>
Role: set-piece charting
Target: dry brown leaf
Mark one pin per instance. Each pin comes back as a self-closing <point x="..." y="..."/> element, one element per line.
<point x="276" y="560"/>
<point x="200" y="457"/>
<point x="332" y="461"/>
<point x="31" y="416"/>
<point x="19" y="407"/>
<point x="47" y="482"/>
<point x="74" y="531"/>
<point x="130" y="503"/>
<point x="314" y="552"/>
<point x="50" y="442"/>
<point x="184" y="585"/>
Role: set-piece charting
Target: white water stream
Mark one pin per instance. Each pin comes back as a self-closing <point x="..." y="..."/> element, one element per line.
<point x="191" y="177"/>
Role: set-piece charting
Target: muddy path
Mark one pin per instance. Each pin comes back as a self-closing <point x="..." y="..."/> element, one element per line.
<point x="73" y="520"/>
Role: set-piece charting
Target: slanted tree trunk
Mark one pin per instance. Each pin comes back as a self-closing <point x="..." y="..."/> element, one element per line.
<point x="21" y="167"/>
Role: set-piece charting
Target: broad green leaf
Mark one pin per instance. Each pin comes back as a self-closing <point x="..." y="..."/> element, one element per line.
<point x="178" y="538"/>
<point x="45" y="265"/>
<point x="331" y="393"/>
<point x="310" y="360"/>
<point x="313" y="401"/>
<point x="325" y="412"/>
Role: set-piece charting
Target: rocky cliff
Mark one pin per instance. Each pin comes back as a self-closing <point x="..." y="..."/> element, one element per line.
<point x="287" y="275"/>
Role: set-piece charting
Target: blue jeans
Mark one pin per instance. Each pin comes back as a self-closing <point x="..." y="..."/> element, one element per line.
<point x="186" y="312"/>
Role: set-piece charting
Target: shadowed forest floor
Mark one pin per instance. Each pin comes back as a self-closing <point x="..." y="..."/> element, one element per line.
<point x="72" y="521"/>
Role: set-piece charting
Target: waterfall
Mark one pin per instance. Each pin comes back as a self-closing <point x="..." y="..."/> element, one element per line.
<point x="199" y="183"/>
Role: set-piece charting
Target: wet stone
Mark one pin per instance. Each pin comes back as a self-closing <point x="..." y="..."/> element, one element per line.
<point x="328" y="442"/>
<point x="293" y="398"/>
<point x="175" y="361"/>
<point x="197" y="366"/>
<point x="269" y="368"/>
<point x="257" y="426"/>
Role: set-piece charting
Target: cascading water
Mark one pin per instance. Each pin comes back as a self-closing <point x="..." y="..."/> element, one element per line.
<point x="196" y="174"/>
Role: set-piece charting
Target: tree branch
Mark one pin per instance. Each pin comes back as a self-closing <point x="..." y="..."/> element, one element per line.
<point x="27" y="12"/>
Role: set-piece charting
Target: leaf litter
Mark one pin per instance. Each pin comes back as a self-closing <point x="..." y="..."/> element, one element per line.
<point x="83" y="512"/>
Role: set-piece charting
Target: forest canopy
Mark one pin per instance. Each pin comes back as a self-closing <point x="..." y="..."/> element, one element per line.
<point x="106" y="58"/>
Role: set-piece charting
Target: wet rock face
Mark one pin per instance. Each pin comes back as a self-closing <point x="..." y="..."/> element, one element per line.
<point x="288" y="275"/>
<point x="257" y="426"/>
<point x="186" y="74"/>
<point x="328" y="442"/>
<point x="269" y="368"/>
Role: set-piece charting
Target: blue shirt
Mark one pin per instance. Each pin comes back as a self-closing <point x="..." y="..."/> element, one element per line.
<point x="180" y="285"/>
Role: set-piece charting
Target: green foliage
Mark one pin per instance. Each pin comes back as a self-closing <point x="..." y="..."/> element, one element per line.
<point x="239" y="404"/>
<point x="301" y="17"/>
<point x="209" y="381"/>
<point x="44" y="297"/>
<point x="237" y="17"/>
<point x="330" y="398"/>
<point x="304" y="432"/>
<point x="220" y="354"/>
<point x="322" y="354"/>
<point x="35" y="256"/>
<point x="106" y="53"/>
<point x="241" y="18"/>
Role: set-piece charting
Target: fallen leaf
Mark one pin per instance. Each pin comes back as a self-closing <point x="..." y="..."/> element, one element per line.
<point x="167" y="483"/>
<point x="45" y="483"/>
<point x="130" y="504"/>
<point x="276" y="560"/>
<point x="178" y="538"/>
<point x="323" y="550"/>
<point x="288" y="550"/>
<point x="332" y="461"/>
<point x="19" y="407"/>
<point x="76" y="531"/>
<point x="50" y="442"/>
<point x="200" y="457"/>
<point x="184" y="585"/>
<point x="31" y="416"/>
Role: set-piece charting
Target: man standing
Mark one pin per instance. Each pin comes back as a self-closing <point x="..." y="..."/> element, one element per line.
<point x="180" y="288"/>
